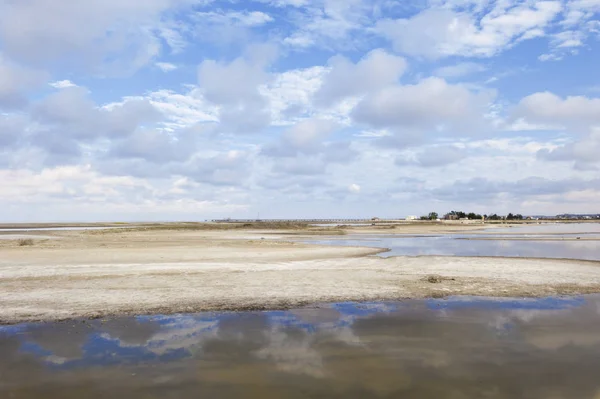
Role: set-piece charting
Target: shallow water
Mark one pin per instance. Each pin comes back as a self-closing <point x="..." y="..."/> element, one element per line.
<point x="553" y="228"/>
<point x="453" y="348"/>
<point x="457" y="246"/>
<point x="526" y="241"/>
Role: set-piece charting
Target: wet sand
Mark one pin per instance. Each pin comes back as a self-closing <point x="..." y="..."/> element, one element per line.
<point x="154" y="270"/>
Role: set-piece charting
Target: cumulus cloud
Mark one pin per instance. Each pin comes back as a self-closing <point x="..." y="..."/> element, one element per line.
<point x="584" y="152"/>
<point x="305" y="137"/>
<point x="432" y="105"/>
<point x="182" y="110"/>
<point x="432" y="157"/>
<point x="152" y="145"/>
<point x="42" y="31"/>
<point x="548" y="108"/>
<point x="577" y="114"/>
<point x="227" y="27"/>
<point x="245" y="19"/>
<point x="62" y="84"/>
<point x="166" y="66"/>
<point x="333" y="109"/>
<point x="69" y="118"/>
<point x="442" y="32"/>
<point x="16" y="81"/>
<point x="291" y="94"/>
<point x="229" y="168"/>
<point x="11" y="130"/>
<point x="331" y="24"/>
<point x="479" y="189"/>
<point x="235" y="86"/>
<point x="50" y="192"/>
<point x="306" y="149"/>
<point x="374" y="71"/>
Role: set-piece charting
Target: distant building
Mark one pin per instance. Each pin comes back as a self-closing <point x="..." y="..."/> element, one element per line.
<point x="450" y="216"/>
<point x="411" y="218"/>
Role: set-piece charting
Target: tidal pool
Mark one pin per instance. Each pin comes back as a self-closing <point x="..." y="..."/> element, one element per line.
<point x="460" y="347"/>
<point x="536" y="241"/>
<point x="461" y="245"/>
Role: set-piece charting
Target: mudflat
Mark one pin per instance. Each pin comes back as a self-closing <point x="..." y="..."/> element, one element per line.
<point x="187" y="268"/>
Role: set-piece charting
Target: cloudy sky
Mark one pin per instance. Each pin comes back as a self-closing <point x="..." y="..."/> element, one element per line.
<point x="197" y="109"/>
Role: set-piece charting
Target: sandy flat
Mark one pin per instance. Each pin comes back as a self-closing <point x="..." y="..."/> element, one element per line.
<point x="85" y="274"/>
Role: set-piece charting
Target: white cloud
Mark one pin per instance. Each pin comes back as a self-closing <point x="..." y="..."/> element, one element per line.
<point x="459" y="70"/>
<point x="550" y="57"/>
<point x="42" y="31"/>
<point x="166" y="66"/>
<point x="16" y="81"/>
<point x="152" y="145"/>
<point x="304" y="137"/>
<point x="290" y="94"/>
<point x="431" y="104"/>
<point x="434" y="156"/>
<point x="286" y="3"/>
<point x="12" y="129"/>
<point x="578" y="112"/>
<point x="235" y="86"/>
<point x="244" y="19"/>
<point x="306" y="134"/>
<point x="583" y="153"/>
<point x="374" y="71"/>
<point x="68" y="119"/>
<point x="49" y="194"/>
<point x="62" y="84"/>
<point x="330" y="23"/>
<point x="442" y="32"/>
<point x="354" y="188"/>
<point x="182" y="110"/>
<point x="306" y="149"/>
<point x="363" y="121"/>
<point x="578" y="115"/>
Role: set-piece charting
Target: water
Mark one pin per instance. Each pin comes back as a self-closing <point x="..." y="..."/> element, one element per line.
<point x="454" y="348"/>
<point x="540" y="241"/>
<point x="453" y="245"/>
<point x="553" y="228"/>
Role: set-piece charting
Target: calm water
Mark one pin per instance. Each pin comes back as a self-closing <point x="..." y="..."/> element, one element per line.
<point x="509" y="242"/>
<point x="554" y="228"/>
<point x="454" y="348"/>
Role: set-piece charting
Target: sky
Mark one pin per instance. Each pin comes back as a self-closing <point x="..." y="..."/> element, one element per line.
<point x="127" y="110"/>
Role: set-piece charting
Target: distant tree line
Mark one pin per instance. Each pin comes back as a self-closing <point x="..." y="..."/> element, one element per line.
<point x="473" y="216"/>
<point x="510" y="216"/>
<point x="431" y="216"/>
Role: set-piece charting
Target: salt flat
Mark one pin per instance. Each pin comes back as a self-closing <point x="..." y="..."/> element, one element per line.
<point x="171" y="270"/>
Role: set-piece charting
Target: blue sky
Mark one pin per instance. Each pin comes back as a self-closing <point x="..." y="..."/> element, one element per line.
<point x="198" y="109"/>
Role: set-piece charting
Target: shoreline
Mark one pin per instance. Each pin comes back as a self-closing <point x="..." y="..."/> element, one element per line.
<point x="285" y="305"/>
<point x="91" y="274"/>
